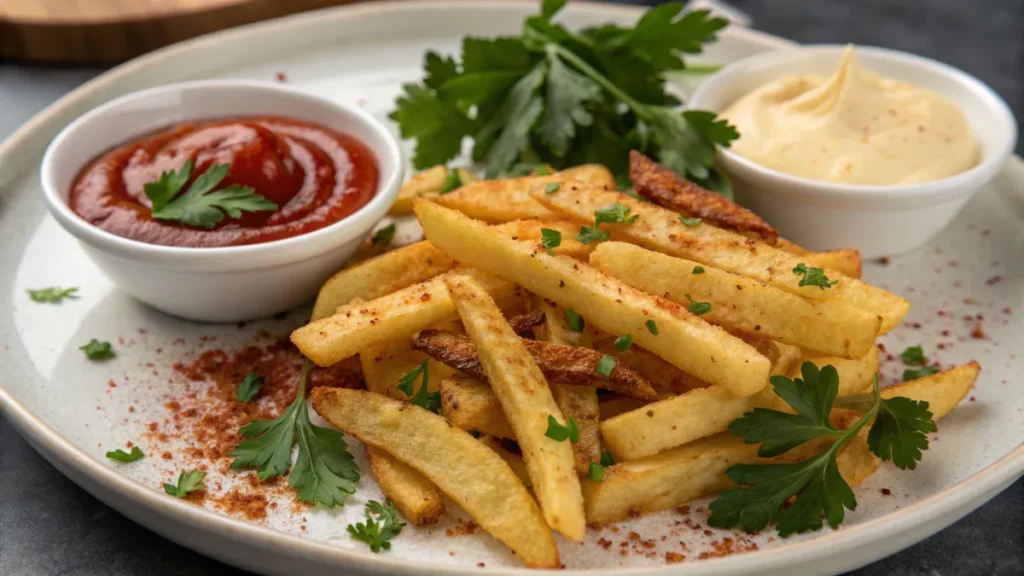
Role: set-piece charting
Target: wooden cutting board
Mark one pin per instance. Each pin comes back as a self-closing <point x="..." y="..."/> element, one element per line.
<point x="107" y="31"/>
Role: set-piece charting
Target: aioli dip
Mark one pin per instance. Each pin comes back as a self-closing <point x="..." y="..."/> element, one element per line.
<point x="854" y="127"/>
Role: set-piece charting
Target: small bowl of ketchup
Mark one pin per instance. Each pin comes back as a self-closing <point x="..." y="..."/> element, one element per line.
<point x="219" y="200"/>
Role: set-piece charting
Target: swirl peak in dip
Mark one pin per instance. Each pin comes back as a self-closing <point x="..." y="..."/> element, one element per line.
<point x="854" y="127"/>
<point x="315" y="175"/>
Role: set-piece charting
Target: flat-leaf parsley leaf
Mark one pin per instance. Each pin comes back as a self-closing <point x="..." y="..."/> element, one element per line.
<point x="96" y="350"/>
<point x="897" y="433"/>
<point x="52" y="295"/>
<point x="122" y="456"/>
<point x="189" y="481"/>
<point x="813" y="277"/>
<point x="200" y="205"/>
<point x="324" y="471"/>
<point x="423" y="398"/>
<point x="377" y="532"/>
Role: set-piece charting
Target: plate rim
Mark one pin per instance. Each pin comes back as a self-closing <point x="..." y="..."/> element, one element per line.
<point x="959" y="498"/>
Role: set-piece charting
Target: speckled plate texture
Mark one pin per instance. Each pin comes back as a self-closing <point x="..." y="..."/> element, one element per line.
<point x="967" y="287"/>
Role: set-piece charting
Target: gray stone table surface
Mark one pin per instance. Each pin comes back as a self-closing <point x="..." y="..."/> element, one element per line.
<point x="49" y="526"/>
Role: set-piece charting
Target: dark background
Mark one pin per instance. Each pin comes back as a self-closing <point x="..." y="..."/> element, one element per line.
<point x="49" y="526"/>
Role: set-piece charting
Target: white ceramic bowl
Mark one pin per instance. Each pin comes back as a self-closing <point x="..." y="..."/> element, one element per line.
<point x="229" y="283"/>
<point x="879" y="220"/>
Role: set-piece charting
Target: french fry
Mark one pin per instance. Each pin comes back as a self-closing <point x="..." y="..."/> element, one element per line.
<point x="686" y="341"/>
<point x="664" y="377"/>
<point x="845" y="261"/>
<point x="531" y="230"/>
<point x="855" y="375"/>
<point x="742" y="304"/>
<point x="704" y="412"/>
<point x="696" y="414"/>
<point x="580" y="402"/>
<point x="379" y="276"/>
<point x="612" y="407"/>
<point x="593" y="174"/>
<point x="527" y="403"/>
<point x="470" y="473"/>
<point x="560" y="364"/>
<point x="673" y="478"/>
<point x="666" y="188"/>
<point x="514" y="461"/>
<point x="430" y="180"/>
<point x="506" y="200"/>
<point x="942" y="391"/>
<point x="472" y="406"/>
<point x="426" y="184"/>
<point x="393" y="316"/>
<point x="660" y="230"/>
<point x="497" y="201"/>
<point x="383" y="366"/>
<point x="414" y="495"/>
<point x="405" y="266"/>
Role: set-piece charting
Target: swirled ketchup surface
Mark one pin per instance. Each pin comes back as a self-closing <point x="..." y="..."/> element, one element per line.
<point x="315" y="175"/>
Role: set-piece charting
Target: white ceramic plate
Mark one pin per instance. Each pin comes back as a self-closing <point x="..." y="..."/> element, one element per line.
<point x="63" y="405"/>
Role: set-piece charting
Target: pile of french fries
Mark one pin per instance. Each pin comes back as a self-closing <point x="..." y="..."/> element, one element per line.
<point x="484" y="303"/>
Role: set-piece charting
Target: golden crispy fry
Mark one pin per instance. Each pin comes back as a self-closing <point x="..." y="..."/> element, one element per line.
<point x="593" y="174"/>
<point x="496" y="201"/>
<point x="855" y="375"/>
<point x="678" y="476"/>
<point x="506" y="200"/>
<point x="514" y="461"/>
<point x="383" y="366"/>
<point x="707" y="411"/>
<point x="688" y="342"/>
<point x="527" y="403"/>
<point x="942" y="391"/>
<point x="580" y="402"/>
<point x="666" y="188"/>
<point x="559" y="364"/>
<point x="845" y="261"/>
<point x="472" y="405"/>
<point x="429" y="181"/>
<point x="414" y="495"/>
<point x="690" y="416"/>
<point x="530" y="230"/>
<point x="666" y="379"/>
<point x="742" y="304"/>
<point x="675" y="477"/>
<point x="426" y="184"/>
<point x="660" y="230"/>
<point x="394" y="316"/>
<point x="615" y="405"/>
<point x="556" y="328"/>
<point x="470" y="473"/>
<point x="379" y="276"/>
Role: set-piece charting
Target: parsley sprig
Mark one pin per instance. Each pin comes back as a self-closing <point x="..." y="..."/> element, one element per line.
<point x="98" y="350"/>
<point x="324" y="471"/>
<point x="914" y="356"/>
<point x="423" y="397"/>
<point x="122" y="456"/>
<point x="565" y="98"/>
<point x="189" y="481"/>
<point x="249" y="387"/>
<point x="813" y="277"/>
<point x="897" y="433"/>
<point x="200" y="206"/>
<point x="570" y="431"/>
<point x="377" y="532"/>
<point x="52" y="295"/>
<point x="613" y="214"/>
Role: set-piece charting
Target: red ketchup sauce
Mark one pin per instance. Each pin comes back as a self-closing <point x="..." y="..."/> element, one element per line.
<point x="315" y="175"/>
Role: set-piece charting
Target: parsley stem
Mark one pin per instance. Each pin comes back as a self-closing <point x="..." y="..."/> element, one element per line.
<point x="867" y="416"/>
<point x="580" y="64"/>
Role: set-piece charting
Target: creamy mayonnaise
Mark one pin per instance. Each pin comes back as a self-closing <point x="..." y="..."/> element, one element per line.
<point x="854" y="127"/>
